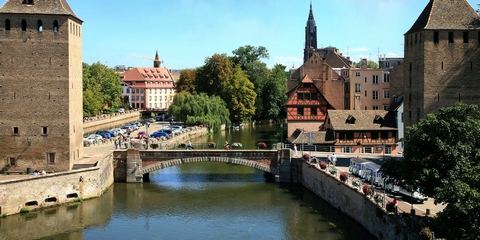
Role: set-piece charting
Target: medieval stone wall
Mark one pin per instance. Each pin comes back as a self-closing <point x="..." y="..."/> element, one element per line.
<point x="56" y="188"/>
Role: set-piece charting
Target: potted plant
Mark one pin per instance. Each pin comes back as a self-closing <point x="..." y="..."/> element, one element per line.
<point x="154" y="145"/>
<point x="306" y="156"/>
<point x="390" y="207"/>
<point x="343" y="176"/>
<point x="261" y="145"/>
<point x="426" y="233"/>
<point x="356" y="183"/>
<point x="333" y="170"/>
<point x="366" y="189"/>
<point x="378" y="198"/>
<point x="323" y="165"/>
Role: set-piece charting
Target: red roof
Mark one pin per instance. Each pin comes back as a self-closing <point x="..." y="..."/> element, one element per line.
<point x="148" y="75"/>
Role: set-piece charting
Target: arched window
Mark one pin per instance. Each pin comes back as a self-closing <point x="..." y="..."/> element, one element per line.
<point x="24" y="25"/>
<point x="40" y="26"/>
<point x="7" y="25"/>
<point x="55" y="26"/>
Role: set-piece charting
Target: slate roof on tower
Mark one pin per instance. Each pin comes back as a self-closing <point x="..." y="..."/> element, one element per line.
<point x="53" y="7"/>
<point x="446" y="14"/>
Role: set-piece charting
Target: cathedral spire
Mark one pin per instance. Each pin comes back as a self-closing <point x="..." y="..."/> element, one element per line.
<point x="310" y="35"/>
<point x="157" y="62"/>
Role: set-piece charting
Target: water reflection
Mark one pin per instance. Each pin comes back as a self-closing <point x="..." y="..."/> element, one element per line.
<point x="205" y="200"/>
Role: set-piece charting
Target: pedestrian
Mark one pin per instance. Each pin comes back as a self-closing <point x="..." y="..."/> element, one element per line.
<point x="35" y="173"/>
<point x="189" y="146"/>
<point x="334" y="159"/>
<point x="295" y="152"/>
<point x="329" y="160"/>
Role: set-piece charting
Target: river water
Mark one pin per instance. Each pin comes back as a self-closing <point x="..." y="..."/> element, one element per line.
<point x="209" y="200"/>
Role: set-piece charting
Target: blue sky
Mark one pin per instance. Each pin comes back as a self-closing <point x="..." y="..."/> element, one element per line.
<point x="185" y="32"/>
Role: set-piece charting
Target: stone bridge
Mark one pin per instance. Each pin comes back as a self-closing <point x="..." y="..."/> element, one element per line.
<point x="134" y="165"/>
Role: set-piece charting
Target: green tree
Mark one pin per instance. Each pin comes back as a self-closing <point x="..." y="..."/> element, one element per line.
<point x="186" y="82"/>
<point x="239" y="95"/>
<point x="248" y="54"/>
<point x="213" y="74"/>
<point x="370" y="64"/>
<point x="101" y="84"/>
<point x="442" y="159"/>
<point x="274" y="94"/>
<point x="249" y="58"/>
<point x="200" y="108"/>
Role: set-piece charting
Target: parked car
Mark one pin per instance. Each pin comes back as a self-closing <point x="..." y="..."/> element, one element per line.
<point x="121" y="110"/>
<point x="142" y="135"/>
<point x="112" y="133"/>
<point x="88" y="140"/>
<point x="104" y="134"/>
<point x="159" y="118"/>
<point x="118" y="131"/>
<point x="127" y="128"/>
<point x="94" y="137"/>
<point x="152" y="120"/>
<point x="159" y="134"/>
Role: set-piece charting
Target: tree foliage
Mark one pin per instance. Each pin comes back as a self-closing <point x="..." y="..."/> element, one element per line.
<point x="213" y="74"/>
<point x="101" y="88"/>
<point x="273" y="94"/>
<point x="239" y="95"/>
<point x="186" y="82"/>
<point x="370" y="64"/>
<point x="200" y="108"/>
<point x="442" y="158"/>
<point x="249" y="89"/>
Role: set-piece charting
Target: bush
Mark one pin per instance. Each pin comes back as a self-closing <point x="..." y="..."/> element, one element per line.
<point x="154" y="145"/>
<point x="343" y="176"/>
<point x="323" y="165"/>
<point x="333" y="170"/>
<point x="24" y="210"/>
<point x="426" y="233"/>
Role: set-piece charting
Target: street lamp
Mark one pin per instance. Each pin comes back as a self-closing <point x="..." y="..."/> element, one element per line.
<point x="383" y="151"/>
<point x="281" y="135"/>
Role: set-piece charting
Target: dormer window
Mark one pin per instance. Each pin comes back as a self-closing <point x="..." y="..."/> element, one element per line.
<point x="378" y="119"/>
<point x="28" y="2"/>
<point x="350" y="119"/>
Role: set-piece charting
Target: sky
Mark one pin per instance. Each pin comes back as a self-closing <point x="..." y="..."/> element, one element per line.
<point x="186" y="32"/>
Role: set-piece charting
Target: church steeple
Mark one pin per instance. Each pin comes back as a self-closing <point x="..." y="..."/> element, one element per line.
<point x="310" y="36"/>
<point x="157" y="62"/>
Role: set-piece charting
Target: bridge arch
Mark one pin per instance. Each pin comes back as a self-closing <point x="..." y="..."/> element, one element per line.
<point x="239" y="161"/>
<point x="133" y="165"/>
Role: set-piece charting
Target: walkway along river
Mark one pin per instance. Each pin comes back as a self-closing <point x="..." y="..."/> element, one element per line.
<point x="192" y="201"/>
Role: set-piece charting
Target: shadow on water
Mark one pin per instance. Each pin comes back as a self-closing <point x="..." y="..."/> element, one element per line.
<point x="327" y="214"/>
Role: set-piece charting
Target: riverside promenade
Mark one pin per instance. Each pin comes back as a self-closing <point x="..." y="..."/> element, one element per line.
<point x="404" y="206"/>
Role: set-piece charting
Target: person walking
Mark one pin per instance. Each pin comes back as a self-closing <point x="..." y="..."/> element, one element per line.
<point x="334" y="159"/>
<point x="329" y="160"/>
<point x="295" y="152"/>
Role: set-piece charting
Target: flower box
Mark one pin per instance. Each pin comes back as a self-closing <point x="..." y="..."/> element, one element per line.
<point x="343" y="176"/>
<point x="390" y="207"/>
<point x="323" y="165"/>
<point x="367" y="190"/>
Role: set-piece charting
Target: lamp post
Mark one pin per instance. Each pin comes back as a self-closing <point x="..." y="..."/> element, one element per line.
<point x="383" y="151"/>
<point x="281" y="135"/>
<point x="303" y="138"/>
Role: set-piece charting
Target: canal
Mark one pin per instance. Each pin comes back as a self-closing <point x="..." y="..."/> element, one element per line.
<point x="194" y="201"/>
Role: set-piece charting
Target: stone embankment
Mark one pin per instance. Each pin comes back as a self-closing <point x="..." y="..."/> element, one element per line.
<point x="91" y="176"/>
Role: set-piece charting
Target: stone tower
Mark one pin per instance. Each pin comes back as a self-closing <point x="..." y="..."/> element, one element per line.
<point x="41" y="124"/>
<point x="310" y="36"/>
<point x="442" y="59"/>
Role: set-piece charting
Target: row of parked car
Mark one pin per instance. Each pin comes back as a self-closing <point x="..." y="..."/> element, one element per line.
<point x="114" y="132"/>
<point x="164" y="132"/>
<point x="370" y="172"/>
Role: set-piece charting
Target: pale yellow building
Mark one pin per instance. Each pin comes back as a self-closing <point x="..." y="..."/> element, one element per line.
<point x="369" y="88"/>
